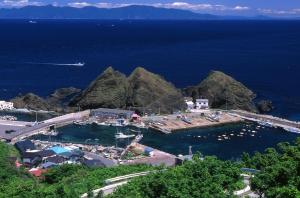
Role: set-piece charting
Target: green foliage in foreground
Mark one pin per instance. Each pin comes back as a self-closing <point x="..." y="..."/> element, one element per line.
<point x="279" y="177"/>
<point x="279" y="174"/>
<point x="202" y="179"/>
<point x="64" y="181"/>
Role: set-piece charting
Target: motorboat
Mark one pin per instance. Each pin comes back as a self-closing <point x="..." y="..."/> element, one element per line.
<point x="79" y="64"/>
<point x="264" y="123"/>
<point x="120" y="135"/>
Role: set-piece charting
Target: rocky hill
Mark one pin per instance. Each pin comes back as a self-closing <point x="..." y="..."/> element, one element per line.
<point x="142" y="90"/>
<point x="32" y="102"/>
<point x="149" y="91"/>
<point x="223" y="92"/>
<point x="55" y="102"/>
<point x="108" y="90"/>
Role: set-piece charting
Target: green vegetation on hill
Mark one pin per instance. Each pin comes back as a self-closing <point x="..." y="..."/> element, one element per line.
<point x="223" y="92"/>
<point x="146" y="92"/>
<point x="109" y="90"/>
<point x="142" y="90"/>
<point x="151" y="92"/>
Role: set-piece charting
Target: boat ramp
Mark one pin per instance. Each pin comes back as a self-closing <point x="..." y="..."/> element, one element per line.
<point x="170" y="123"/>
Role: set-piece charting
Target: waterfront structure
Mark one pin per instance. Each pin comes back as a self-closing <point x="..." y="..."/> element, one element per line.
<point x="6" y="105"/>
<point x="111" y="113"/>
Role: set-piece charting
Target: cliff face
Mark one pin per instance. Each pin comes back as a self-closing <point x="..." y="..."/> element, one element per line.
<point x="151" y="92"/>
<point x="109" y="90"/>
<point x="142" y="90"/>
<point x="223" y="92"/>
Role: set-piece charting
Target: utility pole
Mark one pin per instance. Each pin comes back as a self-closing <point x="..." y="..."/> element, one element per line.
<point x="226" y="101"/>
<point x="190" y="150"/>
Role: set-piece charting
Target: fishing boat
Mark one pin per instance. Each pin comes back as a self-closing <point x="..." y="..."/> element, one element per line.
<point x="264" y="123"/>
<point x="103" y="123"/>
<point x="186" y="120"/>
<point x="81" y="123"/>
<point x="123" y="136"/>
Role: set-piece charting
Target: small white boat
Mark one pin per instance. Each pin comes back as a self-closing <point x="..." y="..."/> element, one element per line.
<point x="103" y="123"/>
<point x="79" y="64"/>
<point x="80" y="123"/>
<point x="123" y="136"/>
<point x="266" y="124"/>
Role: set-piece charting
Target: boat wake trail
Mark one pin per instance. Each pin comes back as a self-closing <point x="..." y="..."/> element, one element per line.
<point x="79" y="64"/>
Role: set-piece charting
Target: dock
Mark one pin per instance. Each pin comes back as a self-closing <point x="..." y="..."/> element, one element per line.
<point x="276" y="121"/>
<point x="171" y="123"/>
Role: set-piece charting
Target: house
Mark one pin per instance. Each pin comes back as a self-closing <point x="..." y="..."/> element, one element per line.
<point x="34" y="157"/>
<point x="24" y="146"/>
<point x="56" y="159"/>
<point x="59" y="150"/>
<point x="6" y="105"/>
<point x="202" y="104"/>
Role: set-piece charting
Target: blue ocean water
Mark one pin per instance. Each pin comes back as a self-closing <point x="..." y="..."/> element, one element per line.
<point x="264" y="55"/>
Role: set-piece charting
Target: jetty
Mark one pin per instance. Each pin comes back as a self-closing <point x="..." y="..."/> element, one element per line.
<point x="14" y="131"/>
<point x="274" y="121"/>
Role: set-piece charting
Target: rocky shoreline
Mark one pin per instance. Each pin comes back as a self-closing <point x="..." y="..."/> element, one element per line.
<point x="144" y="91"/>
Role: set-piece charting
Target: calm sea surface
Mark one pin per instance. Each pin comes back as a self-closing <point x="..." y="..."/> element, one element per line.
<point x="264" y="55"/>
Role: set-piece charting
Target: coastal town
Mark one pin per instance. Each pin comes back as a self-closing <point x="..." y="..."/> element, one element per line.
<point x="38" y="156"/>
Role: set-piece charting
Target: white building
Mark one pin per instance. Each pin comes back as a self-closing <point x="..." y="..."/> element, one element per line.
<point x="6" y="105"/>
<point x="190" y="105"/>
<point x="202" y="104"/>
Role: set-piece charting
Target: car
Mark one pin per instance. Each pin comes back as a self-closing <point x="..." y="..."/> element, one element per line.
<point x="10" y="131"/>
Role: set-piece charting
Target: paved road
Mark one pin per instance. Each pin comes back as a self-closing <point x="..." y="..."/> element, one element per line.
<point x="26" y="131"/>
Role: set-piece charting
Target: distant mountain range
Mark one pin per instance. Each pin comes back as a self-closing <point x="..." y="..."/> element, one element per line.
<point x="129" y="12"/>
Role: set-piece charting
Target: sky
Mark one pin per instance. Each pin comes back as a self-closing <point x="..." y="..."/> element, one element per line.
<point x="219" y="7"/>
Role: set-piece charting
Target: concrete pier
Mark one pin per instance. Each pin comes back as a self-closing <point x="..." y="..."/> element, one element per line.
<point x="278" y="122"/>
<point x="22" y="130"/>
